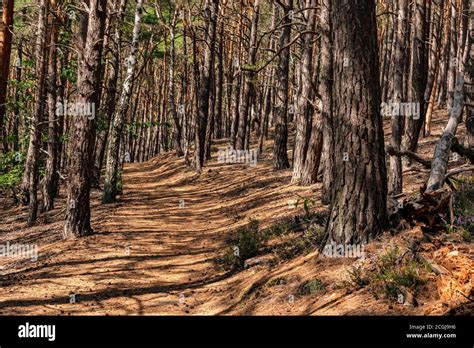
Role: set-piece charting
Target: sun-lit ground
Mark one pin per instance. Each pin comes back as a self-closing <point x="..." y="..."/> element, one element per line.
<point x="153" y="251"/>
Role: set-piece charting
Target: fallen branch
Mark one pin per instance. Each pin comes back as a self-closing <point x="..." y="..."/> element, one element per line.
<point x="400" y="153"/>
<point x="458" y="171"/>
<point x="439" y="165"/>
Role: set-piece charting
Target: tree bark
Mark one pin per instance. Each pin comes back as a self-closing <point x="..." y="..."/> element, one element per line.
<point x="359" y="200"/>
<point x="418" y="75"/>
<point x="81" y="144"/>
<point x="51" y="176"/>
<point x="280" y="149"/>
<point x="116" y="127"/>
<point x="6" y="35"/>
<point x="304" y="109"/>
<point x="212" y="8"/>
<point x="443" y="146"/>
<point x="30" y="180"/>
<point x="323" y="117"/>
<point x="395" y="179"/>
<point x="248" y="77"/>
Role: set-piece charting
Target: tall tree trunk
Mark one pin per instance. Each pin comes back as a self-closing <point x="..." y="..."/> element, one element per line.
<point x="212" y="9"/>
<point x="29" y="187"/>
<point x="359" y="200"/>
<point x="323" y="116"/>
<point x="177" y="134"/>
<point x="113" y="70"/>
<point x="280" y="149"/>
<point x="304" y="109"/>
<point x="418" y="75"/>
<point x="395" y="178"/>
<point x="51" y="176"/>
<point x="432" y="86"/>
<point x="6" y="31"/>
<point x="81" y="144"/>
<point x="453" y="57"/>
<point x="116" y="126"/>
<point x="248" y="76"/>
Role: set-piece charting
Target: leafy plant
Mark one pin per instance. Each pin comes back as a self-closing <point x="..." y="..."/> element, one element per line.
<point x="393" y="273"/>
<point x="245" y="245"/>
<point x="311" y="287"/>
<point x="307" y="202"/>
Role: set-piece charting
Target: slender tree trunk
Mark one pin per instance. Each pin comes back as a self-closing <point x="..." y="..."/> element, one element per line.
<point x="117" y="123"/>
<point x="395" y="178"/>
<point x="212" y="8"/>
<point x="6" y="30"/>
<point x="453" y="57"/>
<point x="323" y="116"/>
<point x="248" y="76"/>
<point x="30" y="181"/>
<point x="304" y="109"/>
<point x="280" y="149"/>
<point x="418" y="75"/>
<point x="51" y="176"/>
<point x="177" y="134"/>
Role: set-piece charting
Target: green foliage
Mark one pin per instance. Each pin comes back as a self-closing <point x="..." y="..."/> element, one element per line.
<point x="356" y="278"/>
<point x="281" y="228"/>
<point x="312" y="287"/>
<point x="277" y="281"/>
<point x="11" y="179"/>
<point x="395" y="272"/>
<point x="11" y="171"/>
<point x="307" y="203"/>
<point x="303" y="244"/>
<point x="69" y="72"/>
<point x="245" y="245"/>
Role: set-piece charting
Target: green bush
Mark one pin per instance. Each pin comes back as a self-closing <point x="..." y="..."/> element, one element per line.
<point x="245" y="245"/>
<point x="395" y="272"/>
<point x="312" y="287"/>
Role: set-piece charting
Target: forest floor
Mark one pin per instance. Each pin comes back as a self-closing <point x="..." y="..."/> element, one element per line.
<point x="154" y="252"/>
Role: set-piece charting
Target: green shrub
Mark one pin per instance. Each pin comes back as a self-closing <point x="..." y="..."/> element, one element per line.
<point x="245" y="245"/>
<point x="312" y="287"/>
<point x="356" y="278"/>
<point x="395" y="272"/>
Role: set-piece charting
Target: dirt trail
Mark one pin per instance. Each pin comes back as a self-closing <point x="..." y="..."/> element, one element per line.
<point x="152" y="253"/>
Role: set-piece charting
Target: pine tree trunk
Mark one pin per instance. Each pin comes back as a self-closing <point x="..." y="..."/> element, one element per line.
<point x="358" y="210"/>
<point x="81" y="145"/>
<point x="51" y="177"/>
<point x="6" y="30"/>
<point x="30" y="181"/>
<point x="304" y="109"/>
<point x="248" y="76"/>
<point x="205" y="84"/>
<point x="280" y="149"/>
<point x="316" y="141"/>
<point x="418" y="75"/>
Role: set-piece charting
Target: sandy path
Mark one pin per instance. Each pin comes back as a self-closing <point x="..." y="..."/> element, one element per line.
<point x="152" y="252"/>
